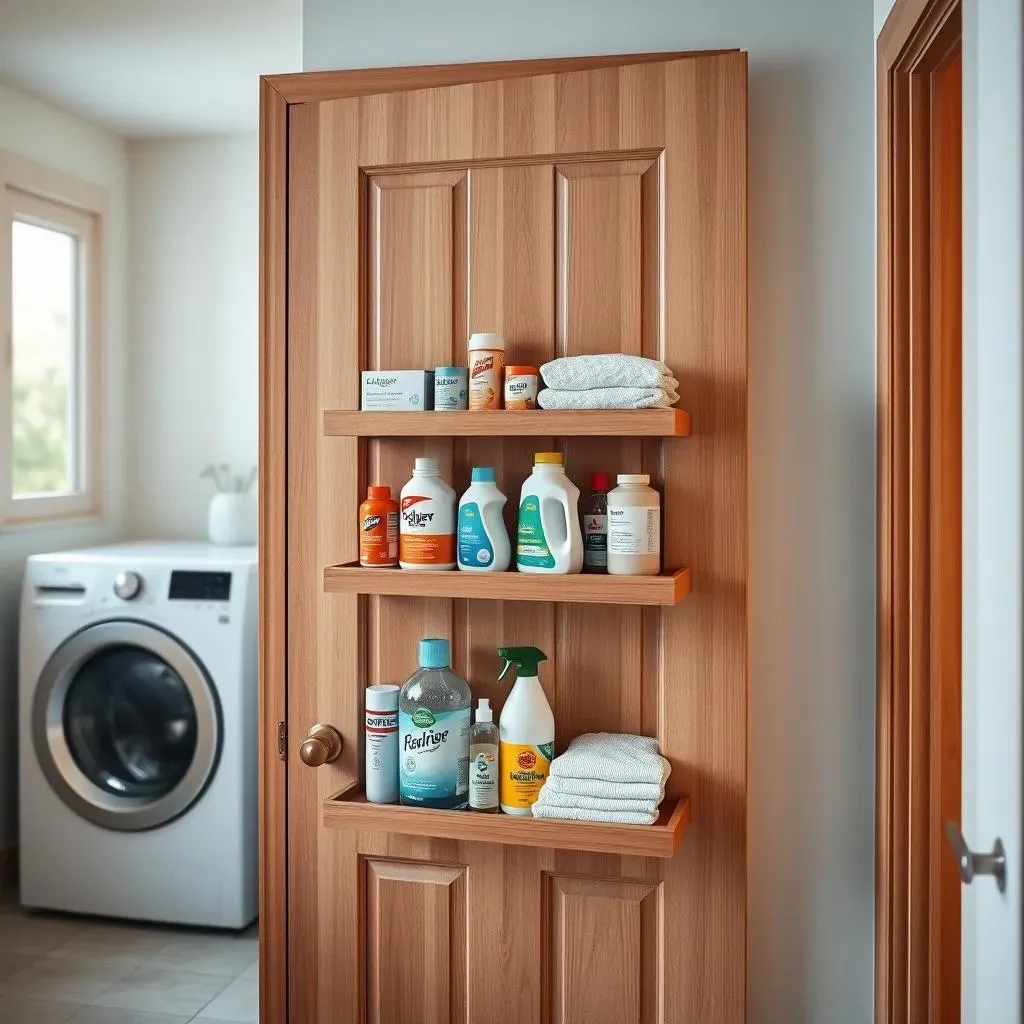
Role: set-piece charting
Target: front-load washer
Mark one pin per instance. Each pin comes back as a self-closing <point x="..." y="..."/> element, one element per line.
<point x="138" y="733"/>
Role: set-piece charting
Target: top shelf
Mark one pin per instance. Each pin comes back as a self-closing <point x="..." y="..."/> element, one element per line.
<point x="505" y="423"/>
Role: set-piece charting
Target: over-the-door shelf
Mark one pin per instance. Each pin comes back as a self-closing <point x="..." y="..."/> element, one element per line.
<point x="506" y="423"/>
<point x="666" y="589"/>
<point x="350" y="809"/>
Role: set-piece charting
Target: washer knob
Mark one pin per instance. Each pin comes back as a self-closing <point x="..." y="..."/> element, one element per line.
<point x="127" y="585"/>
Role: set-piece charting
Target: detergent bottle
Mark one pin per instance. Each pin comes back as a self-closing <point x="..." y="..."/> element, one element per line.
<point x="549" y="537"/>
<point x="483" y="544"/>
<point x="526" y="733"/>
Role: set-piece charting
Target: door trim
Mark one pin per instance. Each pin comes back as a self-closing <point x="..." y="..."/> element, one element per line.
<point x="273" y="547"/>
<point x="914" y="782"/>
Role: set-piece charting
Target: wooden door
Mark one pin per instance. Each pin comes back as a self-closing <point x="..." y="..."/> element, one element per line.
<point x="574" y="211"/>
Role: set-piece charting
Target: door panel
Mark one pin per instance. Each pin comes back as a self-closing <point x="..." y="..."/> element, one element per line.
<point x="415" y="942"/>
<point x="578" y="212"/>
<point x="604" y="966"/>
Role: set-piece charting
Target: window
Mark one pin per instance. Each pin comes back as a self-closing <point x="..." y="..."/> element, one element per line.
<point x="50" y="298"/>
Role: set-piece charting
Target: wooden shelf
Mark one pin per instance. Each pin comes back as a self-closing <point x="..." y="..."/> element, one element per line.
<point x="666" y="590"/>
<point x="350" y="809"/>
<point x="503" y="423"/>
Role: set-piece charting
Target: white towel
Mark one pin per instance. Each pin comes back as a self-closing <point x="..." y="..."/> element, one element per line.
<point x="550" y="797"/>
<point x="607" y="398"/>
<point x="613" y="757"/>
<point x="598" y="789"/>
<point x="613" y="370"/>
<point x="582" y="814"/>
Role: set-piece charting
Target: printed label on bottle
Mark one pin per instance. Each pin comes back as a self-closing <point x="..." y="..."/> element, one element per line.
<point x="634" y="531"/>
<point x="474" y="544"/>
<point x="378" y="539"/>
<point x="524" y="767"/>
<point x="483" y="776"/>
<point x="531" y="544"/>
<point x="595" y="541"/>
<point x="419" y="541"/>
<point x="434" y="754"/>
<point x="381" y="756"/>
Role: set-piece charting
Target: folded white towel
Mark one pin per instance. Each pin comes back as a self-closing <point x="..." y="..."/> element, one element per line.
<point x="614" y="758"/>
<point x="598" y="789"/>
<point x="582" y="814"/>
<point x="613" y="370"/>
<point x="607" y="398"/>
<point x="550" y="797"/>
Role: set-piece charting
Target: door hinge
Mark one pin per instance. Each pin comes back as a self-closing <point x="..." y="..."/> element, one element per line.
<point x="282" y="741"/>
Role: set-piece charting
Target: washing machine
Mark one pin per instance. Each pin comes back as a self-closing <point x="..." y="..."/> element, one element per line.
<point x="138" y="733"/>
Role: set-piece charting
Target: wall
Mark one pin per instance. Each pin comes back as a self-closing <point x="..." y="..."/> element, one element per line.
<point x="812" y="434"/>
<point x="194" y="278"/>
<point x="40" y="132"/>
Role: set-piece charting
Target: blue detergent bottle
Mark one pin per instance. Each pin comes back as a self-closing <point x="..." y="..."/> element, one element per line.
<point x="481" y="537"/>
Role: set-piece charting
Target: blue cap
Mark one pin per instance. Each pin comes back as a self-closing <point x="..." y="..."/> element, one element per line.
<point x="434" y="653"/>
<point x="482" y="475"/>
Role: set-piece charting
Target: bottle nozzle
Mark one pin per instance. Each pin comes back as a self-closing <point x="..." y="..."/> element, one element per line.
<point x="526" y="660"/>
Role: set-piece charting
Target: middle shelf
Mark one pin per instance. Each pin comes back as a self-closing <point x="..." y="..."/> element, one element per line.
<point x="665" y="590"/>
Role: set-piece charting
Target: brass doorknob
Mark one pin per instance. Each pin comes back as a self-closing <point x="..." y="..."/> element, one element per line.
<point x="321" y="745"/>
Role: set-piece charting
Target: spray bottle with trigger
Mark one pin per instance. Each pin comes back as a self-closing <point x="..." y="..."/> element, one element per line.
<point x="526" y="732"/>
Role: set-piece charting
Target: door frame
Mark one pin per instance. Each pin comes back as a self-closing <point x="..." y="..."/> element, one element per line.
<point x="277" y="94"/>
<point x="917" y="926"/>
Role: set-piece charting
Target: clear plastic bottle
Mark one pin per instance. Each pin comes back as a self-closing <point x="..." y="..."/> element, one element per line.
<point x="483" y="761"/>
<point x="434" y="711"/>
<point x="594" y="512"/>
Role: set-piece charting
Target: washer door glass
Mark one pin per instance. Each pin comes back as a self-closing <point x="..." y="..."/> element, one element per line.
<point x="126" y="725"/>
<point x="130" y="722"/>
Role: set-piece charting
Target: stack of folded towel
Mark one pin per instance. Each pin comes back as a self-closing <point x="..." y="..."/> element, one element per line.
<point x="605" y="776"/>
<point x="607" y="382"/>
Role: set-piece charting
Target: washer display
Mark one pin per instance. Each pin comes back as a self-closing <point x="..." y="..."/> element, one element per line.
<point x="126" y="725"/>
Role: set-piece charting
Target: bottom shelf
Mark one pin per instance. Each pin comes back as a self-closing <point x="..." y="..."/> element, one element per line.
<point x="351" y="809"/>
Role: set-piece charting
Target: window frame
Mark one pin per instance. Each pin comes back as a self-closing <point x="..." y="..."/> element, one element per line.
<point x="36" y="194"/>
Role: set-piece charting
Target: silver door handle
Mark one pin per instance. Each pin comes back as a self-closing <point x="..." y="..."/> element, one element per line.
<point x="972" y="864"/>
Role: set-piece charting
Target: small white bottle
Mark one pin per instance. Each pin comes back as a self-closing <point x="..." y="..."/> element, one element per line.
<point x="382" y="744"/>
<point x="426" y="525"/>
<point x="549" y="538"/>
<point x="483" y="761"/>
<point x="483" y="544"/>
<point x="634" y="527"/>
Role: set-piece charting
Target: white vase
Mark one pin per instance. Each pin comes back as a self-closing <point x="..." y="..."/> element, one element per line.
<point x="233" y="519"/>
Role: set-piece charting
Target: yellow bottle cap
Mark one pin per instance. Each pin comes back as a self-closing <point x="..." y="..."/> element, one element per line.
<point x="547" y="458"/>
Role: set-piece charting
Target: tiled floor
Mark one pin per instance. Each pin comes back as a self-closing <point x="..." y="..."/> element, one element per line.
<point x="57" y="969"/>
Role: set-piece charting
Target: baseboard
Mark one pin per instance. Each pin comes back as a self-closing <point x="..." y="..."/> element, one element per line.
<point x="9" y="867"/>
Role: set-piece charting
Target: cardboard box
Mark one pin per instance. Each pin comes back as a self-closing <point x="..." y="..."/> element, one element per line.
<point x="397" y="390"/>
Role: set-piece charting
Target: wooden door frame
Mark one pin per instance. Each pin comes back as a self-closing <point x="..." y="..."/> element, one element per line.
<point x="278" y="93"/>
<point x="918" y="783"/>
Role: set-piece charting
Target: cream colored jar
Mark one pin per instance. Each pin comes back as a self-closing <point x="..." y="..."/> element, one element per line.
<point x="486" y="362"/>
<point x="634" y="527"/>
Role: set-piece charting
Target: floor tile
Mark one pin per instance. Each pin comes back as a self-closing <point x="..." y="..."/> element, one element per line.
<point x="225" y="956"/>
<point x="239" y="1003"/>
<point x="13" y="963"/>
<point x="128" y="946"/>
<point x="110" y="1015"/>
<point x="60" y="980"/>
<point x="26" y="1010"/>
<point x="22" y="931"/>
<point x="163" y="991"/>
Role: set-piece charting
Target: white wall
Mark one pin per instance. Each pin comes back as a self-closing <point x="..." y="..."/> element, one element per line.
<point x="35" y="130"/>
<point x="194" y="318"/>
<point x="882" y="9"/>
<point x="812" y="433"/>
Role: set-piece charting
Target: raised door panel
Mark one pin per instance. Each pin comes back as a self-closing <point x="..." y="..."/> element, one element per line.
<point x="605" y="963"/>
<point x="415" y="945"/>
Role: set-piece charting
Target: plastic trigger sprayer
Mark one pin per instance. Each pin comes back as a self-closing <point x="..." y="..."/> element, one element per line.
<point x="526" y="732"/>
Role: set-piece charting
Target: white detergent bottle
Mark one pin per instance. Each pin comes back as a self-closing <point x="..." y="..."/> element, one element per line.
<point x="526" y="733"/>
<point x="482" y="542"/>
<point x="549" y="538"/>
